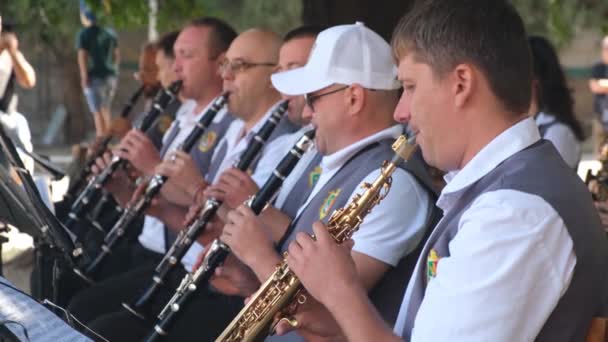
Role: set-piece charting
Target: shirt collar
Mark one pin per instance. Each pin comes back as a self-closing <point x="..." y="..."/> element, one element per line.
<point x="543" y="118"/>
<point x="249" y="135"/>
<point x="189" y="117"/>
<point x="238" y="125"/>
<point x="336" y="159"/>
<point x="516" y="138"/>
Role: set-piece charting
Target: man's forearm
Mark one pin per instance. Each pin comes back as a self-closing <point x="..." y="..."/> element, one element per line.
<point x="82" y="64"/>
<point x="358" y="318"/>
<point x="265" y="264"/>
<point x="24" y="72"/>
<point x="172" y="216"/>
<point x="275" y="221"/>
<point x="117" y="58"/>
<point x="599" y="86"/>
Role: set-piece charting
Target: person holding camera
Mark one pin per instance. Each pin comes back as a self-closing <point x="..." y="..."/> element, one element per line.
<point x="14" y="69"/>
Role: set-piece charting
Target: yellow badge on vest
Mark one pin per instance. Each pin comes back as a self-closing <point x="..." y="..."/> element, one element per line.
<point x="431" y="265"/>
<point x="207" y="141"/>
<point x="313" y="176"/>
<point x="164" y="122"/>
<point x="328" y="203"/>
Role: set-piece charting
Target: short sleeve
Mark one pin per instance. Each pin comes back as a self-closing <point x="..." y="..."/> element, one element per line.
<point x="598" y="71"/>
<point x="396" y="225"/>
<point x="80" y="41"/>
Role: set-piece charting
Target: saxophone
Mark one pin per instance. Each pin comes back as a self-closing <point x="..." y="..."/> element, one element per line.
<point x="280" y="296"/>
<point x="598" y="183"/>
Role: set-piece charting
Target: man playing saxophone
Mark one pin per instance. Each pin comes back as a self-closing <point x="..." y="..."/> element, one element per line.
<point x="350" y="102"/>
<point x="519" y="254"/>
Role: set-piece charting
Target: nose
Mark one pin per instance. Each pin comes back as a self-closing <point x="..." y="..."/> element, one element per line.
<point x="176" y="66"/>
<point x="307" y="113"/>
<point x="402" y="112"/>
<point x="225" y="73"/>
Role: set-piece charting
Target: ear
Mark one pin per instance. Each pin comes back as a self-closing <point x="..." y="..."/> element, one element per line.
<point x="534" y="99"/>
<point x="220" y="57"/>
<point x="354" y="98"/>
<point x="464" y="84"/>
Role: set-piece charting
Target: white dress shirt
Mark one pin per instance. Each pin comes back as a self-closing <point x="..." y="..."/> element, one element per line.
<point x="509" y="264"/>
<point x="395" y="226"/>
<point x="271" y="155"/>
<point x="562" y="137"/>
<point x="152" y="235"/>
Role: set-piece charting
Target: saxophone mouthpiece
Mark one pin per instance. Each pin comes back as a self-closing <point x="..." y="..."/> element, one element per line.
<point x="404" y="147"/>
<point x="412" y="139"/>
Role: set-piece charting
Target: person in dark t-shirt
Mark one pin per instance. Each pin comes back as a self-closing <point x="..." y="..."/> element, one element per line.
<point x="98" y="58"/>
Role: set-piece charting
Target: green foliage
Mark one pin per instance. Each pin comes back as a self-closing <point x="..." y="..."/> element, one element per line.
<point x="560" y="19"/>
<point x="279" y="15"/>
<point x="54" y="23"/>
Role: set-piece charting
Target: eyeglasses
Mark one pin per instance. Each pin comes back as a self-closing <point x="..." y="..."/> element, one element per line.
<point x="310" y="99"/>
<point x="239" y="65"/>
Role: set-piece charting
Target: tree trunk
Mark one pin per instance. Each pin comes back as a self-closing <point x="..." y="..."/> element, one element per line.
<point x="73" y="98"/>
<point x="380" y="16"/>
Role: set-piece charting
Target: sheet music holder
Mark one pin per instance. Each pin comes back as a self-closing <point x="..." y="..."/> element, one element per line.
<point x="23" y="202"/>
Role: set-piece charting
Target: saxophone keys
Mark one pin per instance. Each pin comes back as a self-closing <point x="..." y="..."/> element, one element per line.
<point x="292" y="321"/>
<point x="301" y="298"/>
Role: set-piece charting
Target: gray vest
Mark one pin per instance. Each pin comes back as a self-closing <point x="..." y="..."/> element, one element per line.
<point x="303" y="187"/>
<point x="203" y="151"/>
<point x="284" y="127"/>
<point x="162" y="123"/>
<point x="539" y="170"/>
<point x="387" y="294"/>
<point x="201" y="154"/>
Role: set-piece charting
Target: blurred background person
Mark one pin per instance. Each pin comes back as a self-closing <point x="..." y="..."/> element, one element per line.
<point x="14" y="69"/>
<point x="552" y="103"/>
<point x="598" y="84"/>
<point x="98" y="59"/>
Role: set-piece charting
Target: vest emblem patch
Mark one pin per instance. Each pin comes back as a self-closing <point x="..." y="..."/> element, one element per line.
<point x="207" y="141"/>
<point x="313" y="176"/>
<point x="164" y="122"/>
<point x="328" y="203"/>
<point x="431" y="265"/>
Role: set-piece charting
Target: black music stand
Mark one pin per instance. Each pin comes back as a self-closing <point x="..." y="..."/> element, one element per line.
<point x="24" y="208"/>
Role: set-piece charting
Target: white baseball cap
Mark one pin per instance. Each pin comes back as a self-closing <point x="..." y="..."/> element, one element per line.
<point x="344" y="54"/>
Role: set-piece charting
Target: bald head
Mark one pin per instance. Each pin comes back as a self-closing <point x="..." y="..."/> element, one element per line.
<point x="250" y="60"/>
<point x="258" y="44"/>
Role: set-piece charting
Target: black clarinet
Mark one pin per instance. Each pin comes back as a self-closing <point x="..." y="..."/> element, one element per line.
<point x="92" y="191"/>
<point x="80" y="179"/>
<point x="140" y="204"/>
<point x="218" y="251"/>
<point x="185" y="239"/>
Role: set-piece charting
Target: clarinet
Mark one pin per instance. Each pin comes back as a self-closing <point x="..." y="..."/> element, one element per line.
<point x="187" y="236"/>
<point x="82" y="176"/>
<point x="92" y="191"/>
<point x="142" y="203"/>
<point x="219" y="250"/>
